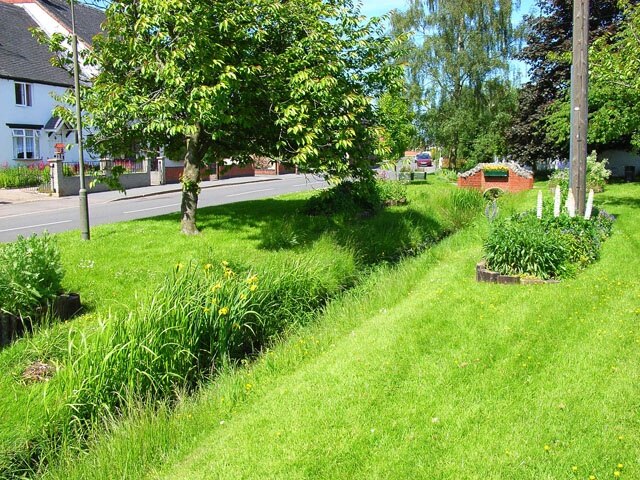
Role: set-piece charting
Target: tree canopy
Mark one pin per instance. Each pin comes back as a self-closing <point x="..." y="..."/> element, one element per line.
<point x="614" y="89"/>
<point x="292" y="80"/>
<point x="458" y="68"/>
<point x="547" y="52"/>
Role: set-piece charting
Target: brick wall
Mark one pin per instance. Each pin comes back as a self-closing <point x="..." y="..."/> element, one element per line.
<point x="237" y="171"/>
<point x="513" y="183"/>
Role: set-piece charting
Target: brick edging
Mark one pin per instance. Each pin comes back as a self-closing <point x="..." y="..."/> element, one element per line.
<point x="488" y="276"/>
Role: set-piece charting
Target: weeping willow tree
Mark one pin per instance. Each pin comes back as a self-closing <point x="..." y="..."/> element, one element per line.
<point x="458" y="69"/>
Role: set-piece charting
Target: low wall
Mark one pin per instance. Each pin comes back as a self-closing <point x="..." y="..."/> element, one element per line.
<point x="68" y="186"/>
<point x="516" y="180"/>
<point x="232" y="171"/>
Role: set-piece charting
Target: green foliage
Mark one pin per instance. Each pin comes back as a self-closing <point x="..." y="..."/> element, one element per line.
<point x="554" y="247"/>
<point x="353" y="198"/>
<point x="30" y="274"/>
<point x="458" y="65"/>
<point x="544" y="99"/>
<point x="110" y="179"/>
<point x="597" y="175"/>
<point x="295" y="81"/>
<point x="463" y="205"/>
<point x="397" y="119"/>
<point x="19" y="177"/>
<point x="198" y="320"/>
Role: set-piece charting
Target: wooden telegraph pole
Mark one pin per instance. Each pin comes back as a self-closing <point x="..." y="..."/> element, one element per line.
<point x="579" y="103"/>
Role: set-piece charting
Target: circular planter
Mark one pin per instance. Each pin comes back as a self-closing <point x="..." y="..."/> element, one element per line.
<point x="488" y="276"/>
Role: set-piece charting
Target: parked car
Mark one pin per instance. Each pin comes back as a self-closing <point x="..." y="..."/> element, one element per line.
<point x="424" y="160"/>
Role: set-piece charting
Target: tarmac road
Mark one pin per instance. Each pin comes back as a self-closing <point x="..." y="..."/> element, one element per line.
<point x="24" y="213"/>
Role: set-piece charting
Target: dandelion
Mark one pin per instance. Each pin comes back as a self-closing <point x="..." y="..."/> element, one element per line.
<point x="206" y="309"/>
<point x="616" y="473"/>
<point x="253" y="287"/>
<point x="592" y="477"/>
<point x="248" y="386"/>
<point x="620" y="466"/>
<point x="547" y="448"/>
<point x="208" y="267"/>
<point x="224" y="263"/>
<point x="179" y="266"/>
<point x="223" y="311"/>
<point x="228" y="273"/>
<point x="243" y="296"/>
<point x="252" y="279"/>
<point x="574" y="468"/>
<point x="217" y="286"/>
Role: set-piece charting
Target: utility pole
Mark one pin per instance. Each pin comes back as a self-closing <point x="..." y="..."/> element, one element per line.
<point x="82" y="194"/>
<point x="579" y="104"/>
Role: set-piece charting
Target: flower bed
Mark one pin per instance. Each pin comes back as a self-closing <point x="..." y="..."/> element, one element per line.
<point x="552" y="247"/>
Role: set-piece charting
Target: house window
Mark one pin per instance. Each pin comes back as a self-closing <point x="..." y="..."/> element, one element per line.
<point x="23" y="94"/>
<point x="26" y="143"/>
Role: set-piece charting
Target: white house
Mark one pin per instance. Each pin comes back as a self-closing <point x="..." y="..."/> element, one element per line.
<point x="29" y="133"/>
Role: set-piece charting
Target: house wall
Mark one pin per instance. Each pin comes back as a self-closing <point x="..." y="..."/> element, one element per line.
<point x="37" y="114"/>
<point x="618" y="159"/>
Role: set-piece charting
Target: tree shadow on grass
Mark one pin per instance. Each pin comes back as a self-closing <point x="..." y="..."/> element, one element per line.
<point x="279" y="224"/>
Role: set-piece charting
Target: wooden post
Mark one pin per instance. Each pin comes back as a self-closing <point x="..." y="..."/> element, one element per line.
<point x="579" y="104"/>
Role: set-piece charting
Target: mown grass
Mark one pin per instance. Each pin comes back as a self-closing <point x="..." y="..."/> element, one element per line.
<point x="115" y="271"/>
<point x="422" y="372"/>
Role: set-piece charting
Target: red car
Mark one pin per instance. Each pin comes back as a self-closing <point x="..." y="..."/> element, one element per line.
<point x="424" y="160"/>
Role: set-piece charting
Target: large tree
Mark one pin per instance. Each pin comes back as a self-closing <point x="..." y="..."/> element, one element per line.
<point x="547" y="52"/>
<point x="614" y="89"/>
<point x="211" y="79"/>
<point x="458" y="67"/>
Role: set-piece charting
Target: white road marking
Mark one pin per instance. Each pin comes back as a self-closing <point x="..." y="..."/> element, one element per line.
<point x="153" y="208"/>
<point x="34" y="226"/>
<point x="249" y="193"/>
<point x="34" y="213"/>
<point x="308" y="183"/>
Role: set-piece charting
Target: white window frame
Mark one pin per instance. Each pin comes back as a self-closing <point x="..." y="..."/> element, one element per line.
<point x="23" y="138"/>
<point x="24" y="94"/>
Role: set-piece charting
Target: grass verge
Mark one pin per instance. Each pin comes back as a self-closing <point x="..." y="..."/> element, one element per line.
<point x="112" y="273"/>
<point x="422" y="372"/>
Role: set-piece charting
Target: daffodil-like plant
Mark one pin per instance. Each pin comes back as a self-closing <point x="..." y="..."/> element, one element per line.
<point x="199" y="320"/>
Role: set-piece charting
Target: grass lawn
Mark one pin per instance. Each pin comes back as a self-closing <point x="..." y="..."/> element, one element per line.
<point x="422" y="372"/>
<point x="123" y="262"/>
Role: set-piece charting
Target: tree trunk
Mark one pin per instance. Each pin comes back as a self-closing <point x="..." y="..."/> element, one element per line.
<point x="191" y="184"/>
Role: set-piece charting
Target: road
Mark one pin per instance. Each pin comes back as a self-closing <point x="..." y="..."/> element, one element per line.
<point x="61" y="214"/>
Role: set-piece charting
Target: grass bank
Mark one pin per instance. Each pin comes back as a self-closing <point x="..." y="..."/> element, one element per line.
<point x="116" y="270"/>
<point x="422" y="372"/>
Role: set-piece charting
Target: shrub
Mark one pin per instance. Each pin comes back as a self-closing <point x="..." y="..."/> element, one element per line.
<point x="554" y="247"/>
<point x="355" y="197"/>
<point x="28" y="176"/>
<point x="597" y="175"/>
<point x="30" y="274"/>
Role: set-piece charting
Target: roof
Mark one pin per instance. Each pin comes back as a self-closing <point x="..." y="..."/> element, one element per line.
<point x="22" y="57"/>
<point x="88" y="19"/>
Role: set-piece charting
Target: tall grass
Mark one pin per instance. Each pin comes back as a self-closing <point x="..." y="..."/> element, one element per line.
<point x="199" y="320"/>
